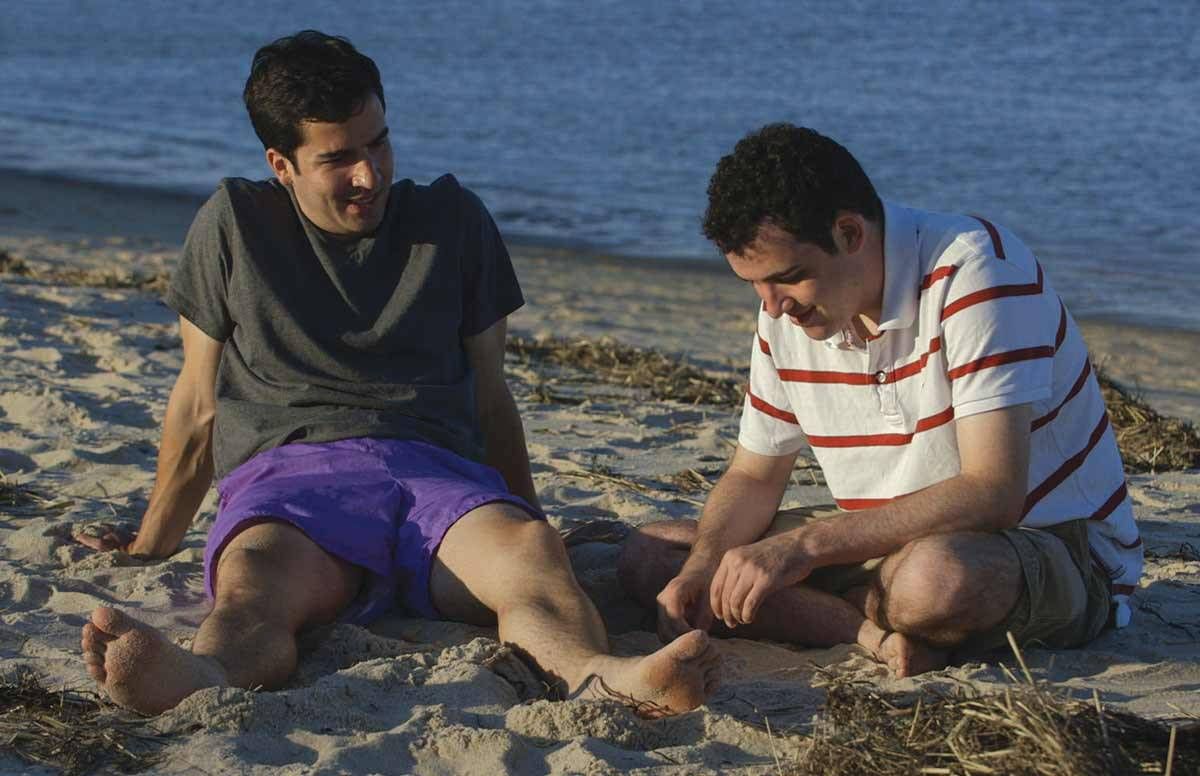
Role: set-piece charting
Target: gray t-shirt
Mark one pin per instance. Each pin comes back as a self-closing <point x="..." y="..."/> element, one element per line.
<point x="328" y="339"/>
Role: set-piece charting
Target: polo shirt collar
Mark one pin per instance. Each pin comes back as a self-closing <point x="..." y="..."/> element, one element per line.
<point x="900" y="268"/>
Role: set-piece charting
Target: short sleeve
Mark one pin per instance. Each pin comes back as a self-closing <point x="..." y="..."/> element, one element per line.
<point x="199" y="288"/>
<point x="998" y="330"/>
<point x="490" y="287"/>
<point x="768" y="426"/>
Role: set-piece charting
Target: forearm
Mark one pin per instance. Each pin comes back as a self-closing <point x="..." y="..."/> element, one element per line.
<point x="504" y="445"/>
<point x="183" y="475"/>
<point x="960" y="504"/>
<point x="738" y="511"/>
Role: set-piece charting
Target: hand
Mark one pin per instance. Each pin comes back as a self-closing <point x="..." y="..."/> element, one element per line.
<point x="106" y="536"/>
<point x="683" y="605"/>
<point x="748" y="574"/>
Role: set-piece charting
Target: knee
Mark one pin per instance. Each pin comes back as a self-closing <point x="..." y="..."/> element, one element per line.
<point x="651" y="555"/>
<point x="927" y="586"/>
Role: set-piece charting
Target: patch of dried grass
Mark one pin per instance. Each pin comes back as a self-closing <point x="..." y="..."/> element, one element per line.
<point x="94" y="278"/>
<point x="72" y="732"/>
<point x="1149" y="441"/>
<point x="1029" y="728"/>
<point x="607" y="360"/>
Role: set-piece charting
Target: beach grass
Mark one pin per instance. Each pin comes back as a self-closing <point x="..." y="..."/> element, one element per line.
<point x="72" y="732"/>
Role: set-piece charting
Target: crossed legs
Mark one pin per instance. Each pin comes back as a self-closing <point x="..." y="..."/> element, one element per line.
<point x="495" y="565"/>
<point x="924" y="599"/>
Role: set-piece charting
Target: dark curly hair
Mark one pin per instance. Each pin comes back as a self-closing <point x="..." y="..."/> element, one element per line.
<point x="792" y="177"/>
<point x="309" y="76"/>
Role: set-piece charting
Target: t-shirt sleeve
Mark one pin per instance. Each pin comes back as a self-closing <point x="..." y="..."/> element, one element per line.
<point x="768" y="426"/>
<point x="199" y="288"/>
<point x="490" y="287"/>
<point x="998" y="329"/>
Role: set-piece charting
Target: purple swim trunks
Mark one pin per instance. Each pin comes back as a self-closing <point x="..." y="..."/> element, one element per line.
<point x="382" y="504"/>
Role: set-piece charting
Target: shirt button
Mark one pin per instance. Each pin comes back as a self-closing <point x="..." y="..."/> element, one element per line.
<point x="881" y="377"/>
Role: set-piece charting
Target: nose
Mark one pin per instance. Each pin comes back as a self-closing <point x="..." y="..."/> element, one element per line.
<point x="366" y="174"/>
<point x="773" y="301"/>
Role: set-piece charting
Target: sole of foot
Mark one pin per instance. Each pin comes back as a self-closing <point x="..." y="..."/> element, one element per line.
<point x="138" y="667"/>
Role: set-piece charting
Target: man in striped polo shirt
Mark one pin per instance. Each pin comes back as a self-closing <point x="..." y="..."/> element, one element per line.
<point x="948" y="397"/>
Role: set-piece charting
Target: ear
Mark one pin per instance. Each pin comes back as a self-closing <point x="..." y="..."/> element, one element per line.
<point x="281" y="166"/>
<point x="849" y="231"/>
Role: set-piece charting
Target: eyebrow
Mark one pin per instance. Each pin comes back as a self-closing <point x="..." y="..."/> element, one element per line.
<point x="781" y="274"/>
<point x="340" y="152"/>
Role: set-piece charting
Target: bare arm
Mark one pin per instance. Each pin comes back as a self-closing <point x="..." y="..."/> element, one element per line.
<point x="988" y="495"/>
<point x="740" y="507"/>
<point x="185" y="467"/>
<point x="503" y="434"/>
<point x="738" y="511"/>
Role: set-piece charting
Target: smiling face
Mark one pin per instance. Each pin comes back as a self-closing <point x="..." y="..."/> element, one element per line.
<point x="342" y="173"/>
<point x="820" y="292"/>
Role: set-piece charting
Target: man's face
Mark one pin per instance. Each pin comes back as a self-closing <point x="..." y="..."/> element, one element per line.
<point x="820" y="292"/>
<point x="343" y="172"/>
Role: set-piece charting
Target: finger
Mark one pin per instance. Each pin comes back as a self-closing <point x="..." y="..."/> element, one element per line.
<point x="735" y="596"/>
<point x="703" y="617"/>
<point x="671" y="615"/>
<point x="717" y="589"/>
<point x="94" y="542"/>
<point x="753" y="600"/>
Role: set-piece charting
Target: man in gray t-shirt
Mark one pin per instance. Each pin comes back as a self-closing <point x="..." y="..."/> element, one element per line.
<point x="343" y="380"/>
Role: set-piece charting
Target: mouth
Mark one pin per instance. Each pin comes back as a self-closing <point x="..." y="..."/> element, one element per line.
<point x="805" y="318"/>
<point x="362" y="205"/>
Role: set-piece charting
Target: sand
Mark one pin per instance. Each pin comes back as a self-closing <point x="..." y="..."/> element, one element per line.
<point x="84" y="375"/>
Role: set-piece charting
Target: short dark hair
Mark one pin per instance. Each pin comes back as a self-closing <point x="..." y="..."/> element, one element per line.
<point x="792" y="177"/>
<point x="309" y="76"/>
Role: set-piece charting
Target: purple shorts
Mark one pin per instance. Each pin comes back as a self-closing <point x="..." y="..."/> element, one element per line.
<point x="382" y="504"/>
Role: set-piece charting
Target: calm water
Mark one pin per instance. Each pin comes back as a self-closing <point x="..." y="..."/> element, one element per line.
<point x="598" y="123"/>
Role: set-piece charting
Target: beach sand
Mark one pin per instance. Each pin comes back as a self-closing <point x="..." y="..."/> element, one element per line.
<point x="88" y="355"/>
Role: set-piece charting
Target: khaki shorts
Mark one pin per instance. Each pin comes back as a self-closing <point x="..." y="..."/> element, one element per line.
<point x="1064" y="602"/>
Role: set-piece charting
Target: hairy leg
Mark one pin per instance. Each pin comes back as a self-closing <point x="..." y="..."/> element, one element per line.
<point x="527" y="587"/>
<point x="272" y="581"/>
<point x="654" y="553"/>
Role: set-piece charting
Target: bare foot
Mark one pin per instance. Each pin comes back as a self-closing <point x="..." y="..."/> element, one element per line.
<point x="677" y="678"/>
<point x="906" y="656"/>
<point x="138" y="667"/>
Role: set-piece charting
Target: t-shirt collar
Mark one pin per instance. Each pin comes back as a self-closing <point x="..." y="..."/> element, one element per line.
<point x="900" y="268"/>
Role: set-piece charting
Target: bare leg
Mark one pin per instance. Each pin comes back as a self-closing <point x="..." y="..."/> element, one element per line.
<point x="903" y="619"/>
<point x="496" y="564"/>
<point x="272" y="582"/>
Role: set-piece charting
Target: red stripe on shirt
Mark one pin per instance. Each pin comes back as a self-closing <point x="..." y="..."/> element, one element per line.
<point x="997" y="246"/>
<point x="771" y="409"/>
<point x="883" y="440"/>
<point x="762" y="344"/>
<point x="999" y="359"/>
<point x="996" y="292"/>
<point x="1062" y="325"/>
<point x="1076" y="388"/>
<point x="1107" y="507"/>
<point x="936" y="275"/>
<point x="1132" y="545"/>
<point x="855" y="504"/>
<point x="818" y="376"/>
<point x="1068" y="466"/>
<point x="859" y="378"/>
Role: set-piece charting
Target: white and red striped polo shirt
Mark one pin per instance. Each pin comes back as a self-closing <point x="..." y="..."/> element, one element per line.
<point x="969" y="324"/>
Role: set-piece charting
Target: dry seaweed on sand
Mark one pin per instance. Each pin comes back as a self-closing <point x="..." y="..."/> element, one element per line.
<point x="16" y="494"/>
<point x="610" y="361"/>
<point x="72" y="732"/>
<point x="1149" y="441"/>
<point x="95" y="278"/>
<point x="1030" y="728"/>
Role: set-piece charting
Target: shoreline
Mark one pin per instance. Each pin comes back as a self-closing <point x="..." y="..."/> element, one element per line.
<point x="91" y="225"/>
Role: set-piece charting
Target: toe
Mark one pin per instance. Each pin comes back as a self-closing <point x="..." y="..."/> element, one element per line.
<point x="112" y="623"/>
<point x="691" y="646"/>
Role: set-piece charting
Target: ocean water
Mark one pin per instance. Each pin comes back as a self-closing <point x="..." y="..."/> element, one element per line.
<point x="597" y="124"/>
